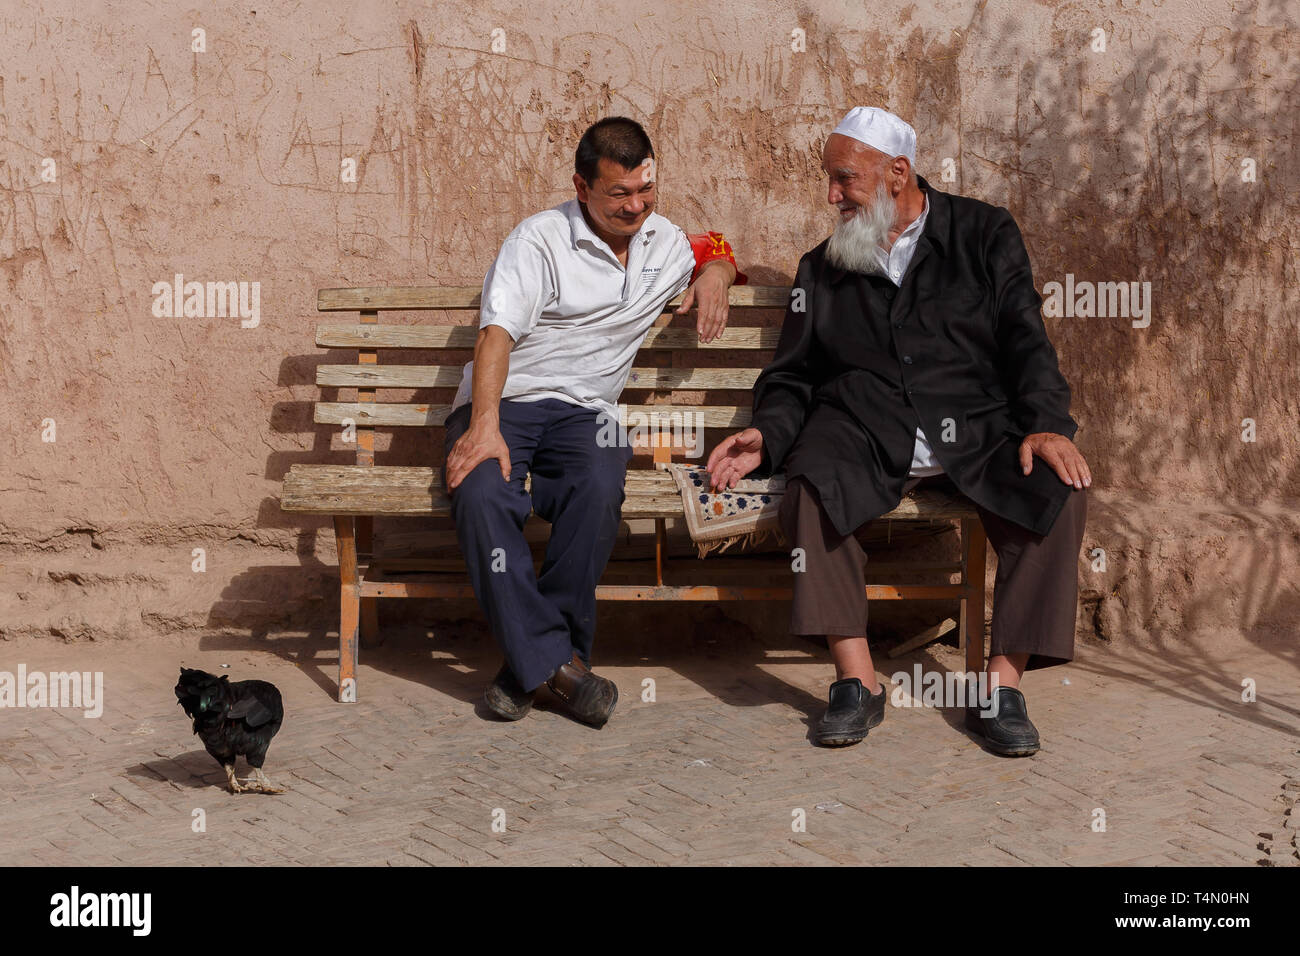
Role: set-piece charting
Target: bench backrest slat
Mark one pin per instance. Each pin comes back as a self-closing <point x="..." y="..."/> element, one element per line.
<point x="414" y="298"/>
<point x="341" y="336"/>
<point x="449" y="376"/>
<point x="398" y="414"/>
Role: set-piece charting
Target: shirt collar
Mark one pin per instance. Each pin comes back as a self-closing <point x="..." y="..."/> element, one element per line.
<point x="906" y="242"/>
<point x="579" y="230"/>
<point x="917" y="224"/>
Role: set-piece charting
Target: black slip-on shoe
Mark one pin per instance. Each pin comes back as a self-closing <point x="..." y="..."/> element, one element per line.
<point x="1008" y="732"/>
<point x="506" y="698"/>
<point x="589" y="698"/>
<point x="850" y="713"/>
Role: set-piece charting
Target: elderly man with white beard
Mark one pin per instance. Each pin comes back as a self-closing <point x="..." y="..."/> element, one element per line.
<point x="914" y="352"/>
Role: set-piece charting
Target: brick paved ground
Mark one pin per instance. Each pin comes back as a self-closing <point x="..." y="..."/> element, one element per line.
<point x="710" y="773"/>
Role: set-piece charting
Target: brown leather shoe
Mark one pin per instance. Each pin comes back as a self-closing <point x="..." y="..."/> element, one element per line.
<point x="589" y="698"/>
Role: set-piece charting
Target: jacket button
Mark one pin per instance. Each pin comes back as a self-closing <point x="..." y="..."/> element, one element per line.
<point x="907" y="360"/>
<point x="898" y="325"/>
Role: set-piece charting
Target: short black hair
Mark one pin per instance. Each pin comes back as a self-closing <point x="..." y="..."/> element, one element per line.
<point x="616" y="138"/>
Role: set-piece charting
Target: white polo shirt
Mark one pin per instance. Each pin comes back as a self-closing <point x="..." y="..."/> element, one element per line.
<point x="576" y="314"/>
<point x="894" y="265"/>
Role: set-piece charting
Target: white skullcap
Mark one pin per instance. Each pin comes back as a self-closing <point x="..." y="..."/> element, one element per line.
<point x="881" y="130"/>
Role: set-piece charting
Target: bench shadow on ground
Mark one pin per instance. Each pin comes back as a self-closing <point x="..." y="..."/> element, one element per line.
<point x="454" y="653"/>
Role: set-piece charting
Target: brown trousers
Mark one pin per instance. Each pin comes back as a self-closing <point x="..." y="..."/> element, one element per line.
<point x="1035" y="594"/>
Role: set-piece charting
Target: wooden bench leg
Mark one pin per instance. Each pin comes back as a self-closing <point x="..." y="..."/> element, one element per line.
<point x="973" y="548"/>
<point x="345" y="535"/>
<point x="371" y="635"/>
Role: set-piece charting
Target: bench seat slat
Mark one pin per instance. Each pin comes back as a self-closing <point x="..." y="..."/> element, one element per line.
<point x="388" y="489"/>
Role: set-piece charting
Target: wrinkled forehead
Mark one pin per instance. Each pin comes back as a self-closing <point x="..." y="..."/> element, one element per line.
<point x="844" y="154"/>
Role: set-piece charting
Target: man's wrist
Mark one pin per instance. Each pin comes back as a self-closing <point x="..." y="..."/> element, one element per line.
<point x="487" y="418"/>
<point x="729" y="274"/>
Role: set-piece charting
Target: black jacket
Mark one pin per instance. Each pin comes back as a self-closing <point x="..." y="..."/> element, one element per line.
<point x="960" y="349"/>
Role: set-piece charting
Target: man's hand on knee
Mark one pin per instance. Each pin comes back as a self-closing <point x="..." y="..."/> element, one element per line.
<point x="1059" y="452"/>
<point x="479" y="444"/>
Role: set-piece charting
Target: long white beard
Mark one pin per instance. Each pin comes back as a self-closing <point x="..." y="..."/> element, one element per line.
<point x="856" y="242"/>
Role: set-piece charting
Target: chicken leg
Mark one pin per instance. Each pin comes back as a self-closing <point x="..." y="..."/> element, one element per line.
<point x="262" y="782"/>
<point x="235" y="786"/>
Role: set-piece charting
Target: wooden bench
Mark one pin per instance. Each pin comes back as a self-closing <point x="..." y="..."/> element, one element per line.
<point x="671" y="365"/>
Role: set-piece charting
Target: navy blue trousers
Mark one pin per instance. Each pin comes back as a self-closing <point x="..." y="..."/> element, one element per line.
<point x="541" y="618"/>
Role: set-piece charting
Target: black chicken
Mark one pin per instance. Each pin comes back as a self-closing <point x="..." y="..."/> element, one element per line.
<point x="233" y="719"/>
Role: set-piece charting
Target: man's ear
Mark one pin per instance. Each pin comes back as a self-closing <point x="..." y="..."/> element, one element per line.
<point x="580" y="185"/>
<point x="899" y="169"/>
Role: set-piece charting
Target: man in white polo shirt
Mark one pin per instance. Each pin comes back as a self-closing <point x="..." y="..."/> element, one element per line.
<point x="565" y="307"/>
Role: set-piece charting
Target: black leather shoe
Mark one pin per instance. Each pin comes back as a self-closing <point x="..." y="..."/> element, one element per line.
<point x="1009" y="731"/>
<point x="589" y="698"/>
<point x="506" y="698"/>
<point x="850" y="714"/>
